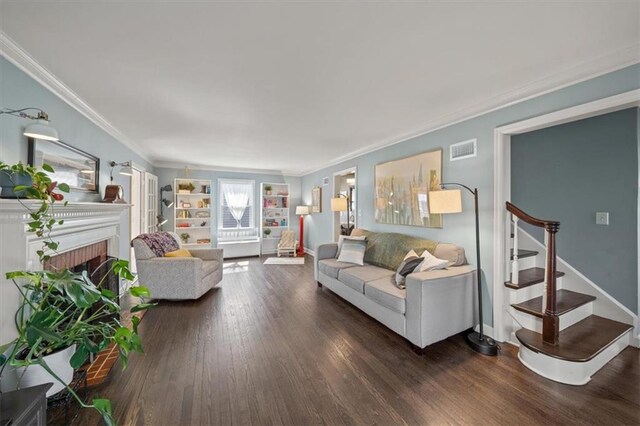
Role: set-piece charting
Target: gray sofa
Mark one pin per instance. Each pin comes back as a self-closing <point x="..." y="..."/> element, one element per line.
<point x="435" y="304"/>
<point x="177" y="278"/>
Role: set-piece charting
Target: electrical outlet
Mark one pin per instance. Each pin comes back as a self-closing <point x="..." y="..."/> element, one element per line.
<point x="602" y="218"/>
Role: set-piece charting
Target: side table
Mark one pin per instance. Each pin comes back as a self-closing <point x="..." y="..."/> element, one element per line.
<point x="26" y="406"/>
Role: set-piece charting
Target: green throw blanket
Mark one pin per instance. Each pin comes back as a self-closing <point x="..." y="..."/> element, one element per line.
<point x="388" y="249"/>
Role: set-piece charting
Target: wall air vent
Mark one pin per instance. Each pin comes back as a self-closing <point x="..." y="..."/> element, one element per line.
<point x="462" y="150"/>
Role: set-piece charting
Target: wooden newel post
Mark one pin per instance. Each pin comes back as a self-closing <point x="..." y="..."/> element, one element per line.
<point x="550" y="320"/>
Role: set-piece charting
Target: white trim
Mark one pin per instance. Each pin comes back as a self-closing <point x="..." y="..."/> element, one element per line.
<point x="310" y="252"/>
<point x="179" y="165"/>
<point x="343" y="172"/>
<point x="15" y="54"/>
<point x="609" y="62"/>
<point x="567" y="266"/>
<point x="502" y="182"/>
<point x="584" y="71"/>
<point x="570" y="372"/>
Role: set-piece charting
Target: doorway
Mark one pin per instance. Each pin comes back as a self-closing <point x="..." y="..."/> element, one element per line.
<point x="137" y="212"/>
<point x="502" y="189"/>
<point x="345" y="186"/>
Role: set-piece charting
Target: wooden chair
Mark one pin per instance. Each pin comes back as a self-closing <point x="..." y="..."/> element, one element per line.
<point x="287" y="244"/>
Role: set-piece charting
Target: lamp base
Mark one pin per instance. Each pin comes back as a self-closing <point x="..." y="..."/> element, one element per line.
<point x="485" y="346"/>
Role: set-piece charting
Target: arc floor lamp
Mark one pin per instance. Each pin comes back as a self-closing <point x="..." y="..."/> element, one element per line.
<point x="450" y="201"/>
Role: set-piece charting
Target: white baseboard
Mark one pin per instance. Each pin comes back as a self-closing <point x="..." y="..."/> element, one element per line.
<point x="310" y="252"/>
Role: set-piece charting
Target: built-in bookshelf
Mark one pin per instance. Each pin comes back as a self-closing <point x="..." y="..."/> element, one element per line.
<point x="274" y="214"/>
<point x="193" y="211"/>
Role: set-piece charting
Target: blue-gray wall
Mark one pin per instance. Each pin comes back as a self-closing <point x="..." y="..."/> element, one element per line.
<point x="570" y="172"/>
<point x="18" y="90"/>
<point x="475" y="172"/>
<point x="167" y="175"/>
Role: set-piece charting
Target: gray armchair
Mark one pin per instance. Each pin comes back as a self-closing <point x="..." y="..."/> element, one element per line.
<point x="177" y="278"/>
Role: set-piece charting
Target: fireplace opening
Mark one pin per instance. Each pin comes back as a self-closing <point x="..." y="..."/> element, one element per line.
<point x="93" y="259"/>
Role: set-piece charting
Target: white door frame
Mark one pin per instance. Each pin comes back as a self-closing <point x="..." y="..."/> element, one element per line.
<point x="138" y="204"/>
<point x="347" y="171"/>
<point x="502" y="187"/>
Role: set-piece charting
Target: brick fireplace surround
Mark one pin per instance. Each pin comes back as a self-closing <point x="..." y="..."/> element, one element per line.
<point x="90" y="233"/>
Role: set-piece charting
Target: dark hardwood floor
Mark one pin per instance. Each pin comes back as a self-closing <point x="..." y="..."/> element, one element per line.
<point x="269" y="347"/>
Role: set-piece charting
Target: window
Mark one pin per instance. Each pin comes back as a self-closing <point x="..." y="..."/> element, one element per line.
<point x="236" y="204"/>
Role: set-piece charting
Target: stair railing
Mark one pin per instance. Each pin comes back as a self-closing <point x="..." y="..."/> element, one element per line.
<point x="550" y="318"/>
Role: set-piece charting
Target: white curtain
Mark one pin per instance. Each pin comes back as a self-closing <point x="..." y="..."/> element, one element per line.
<point x="236" y="196"/>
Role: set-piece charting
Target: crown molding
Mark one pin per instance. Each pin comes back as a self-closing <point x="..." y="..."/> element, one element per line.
<point x="610" y="62"/>
<point x="586" y="70"/>
<point x="15" y="54"/>
<point x="179" y="165"/>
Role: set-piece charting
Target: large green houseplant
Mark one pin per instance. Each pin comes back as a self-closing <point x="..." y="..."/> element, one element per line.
<point x="61" y="309"/>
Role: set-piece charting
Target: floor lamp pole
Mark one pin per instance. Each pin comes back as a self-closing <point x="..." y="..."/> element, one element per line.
<point x="301" y="246"/>
<point x="477" y="340"/>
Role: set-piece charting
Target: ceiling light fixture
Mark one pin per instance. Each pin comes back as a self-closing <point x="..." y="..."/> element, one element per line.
<point x="40" y="129"/>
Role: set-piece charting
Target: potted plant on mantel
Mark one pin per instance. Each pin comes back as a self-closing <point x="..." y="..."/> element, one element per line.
<point x="63" y="316"/>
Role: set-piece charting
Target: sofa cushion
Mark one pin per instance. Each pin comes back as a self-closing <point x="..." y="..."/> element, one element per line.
<point x="331" y="267"/>
<point x="385" y="293"/>
<point x="431" y="263"/>
<point x="178" y="253"/>
<point x="357" y="276"/>
<point x="410" y="262"/>
<point x="352" y="251"/>
<point x="451" y="252"/>
<point x="209" y="266"/>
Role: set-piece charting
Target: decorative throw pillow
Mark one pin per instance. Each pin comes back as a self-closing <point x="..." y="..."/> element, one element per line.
<point x="410" y="262"/>
<point x="178" y="253"/>
<point x="341" y="239"/>
<point x="431" y="263"/>
<point x="352" y="251"/>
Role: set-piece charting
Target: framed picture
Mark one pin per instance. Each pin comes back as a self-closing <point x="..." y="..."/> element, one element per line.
<point x="72" y="166"/>
<point x="316" y="200"/>
<point x="402" y="190"/>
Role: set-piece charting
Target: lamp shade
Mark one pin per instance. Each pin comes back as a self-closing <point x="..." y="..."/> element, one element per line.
<point x="339" y="204"/>
<point x="161" y="220"/>
<point x="40" y="129"/>
<point x="167" y="203"/>
<point x="302" y="210"/>
<point x="445" y="201"/>
<point x="126" y="169"/>
<point x="166" y="188"/>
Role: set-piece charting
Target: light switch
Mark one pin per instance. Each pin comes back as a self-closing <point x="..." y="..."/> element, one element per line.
<point x="602" y="218"/>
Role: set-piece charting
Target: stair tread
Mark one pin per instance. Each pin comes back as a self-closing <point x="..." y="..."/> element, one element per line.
<point x="579" y="343"/>
<point x="531" y="276"/>
<point x="566" y="301"/>
<point x="522" y="254"/>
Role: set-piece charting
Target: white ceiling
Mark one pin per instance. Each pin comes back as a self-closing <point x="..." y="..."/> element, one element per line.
<point x="295" y="85"/>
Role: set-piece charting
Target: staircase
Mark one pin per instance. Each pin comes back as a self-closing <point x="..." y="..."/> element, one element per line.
<point x="559" y="336"/>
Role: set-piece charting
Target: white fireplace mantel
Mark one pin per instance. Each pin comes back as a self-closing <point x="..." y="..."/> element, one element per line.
<point x="84" y="224"/>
